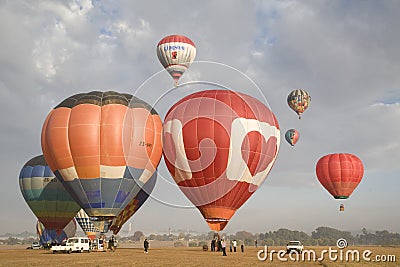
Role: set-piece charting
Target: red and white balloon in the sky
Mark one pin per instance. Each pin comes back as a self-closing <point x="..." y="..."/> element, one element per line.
<point x="220" y="145"/>
<point x="176" y="53"/>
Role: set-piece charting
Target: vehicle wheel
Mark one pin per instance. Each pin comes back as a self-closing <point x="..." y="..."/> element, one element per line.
<point x="69" y="251"/>
<point x="54" y="252"/>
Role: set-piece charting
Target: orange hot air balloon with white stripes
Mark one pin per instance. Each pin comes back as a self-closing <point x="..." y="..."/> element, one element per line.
<point x="103" y="146"/>
<point x="219" y="146"/>
<point x="176" y="53"/>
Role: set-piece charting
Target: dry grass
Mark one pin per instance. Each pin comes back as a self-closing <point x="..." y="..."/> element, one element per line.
<point x="163" y="256"/>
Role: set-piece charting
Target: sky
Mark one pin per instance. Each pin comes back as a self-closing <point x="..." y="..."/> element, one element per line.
<point x="344" y="53"/>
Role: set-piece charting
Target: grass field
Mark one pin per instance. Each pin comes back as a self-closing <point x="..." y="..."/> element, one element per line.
<point x="162" y="256"/>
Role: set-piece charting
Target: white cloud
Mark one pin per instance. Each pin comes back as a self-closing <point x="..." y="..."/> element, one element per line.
<point x="344" y="53"/>
<point x="51" y="50"/>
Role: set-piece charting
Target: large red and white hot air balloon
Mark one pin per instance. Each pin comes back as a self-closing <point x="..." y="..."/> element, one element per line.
<point x="176" y="53"/>
<point x="219" y="146"/>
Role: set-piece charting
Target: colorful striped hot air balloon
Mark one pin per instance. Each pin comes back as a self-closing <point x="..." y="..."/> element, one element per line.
<point x="176" y="53"/>
<point x="45" y="194"/>
<point x="103" y="146"/>
<point x="299" y="100"/>
<point x="134" y="205"/>
<point x="219" y="145"/>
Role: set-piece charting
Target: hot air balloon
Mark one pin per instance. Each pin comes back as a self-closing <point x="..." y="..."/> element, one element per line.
<point x="299" y="100"/>
<point x="176" y="53"/>
<point x="103" y="146"/>
<point x="219" y="146"/>
<point x="340" y="174"/>
<point x="51" y="236"/>
<point x="134" y="205"/>
<point x="86" y="223"/>
<point x="45" y="195"/>
<point x="292" y="136"/>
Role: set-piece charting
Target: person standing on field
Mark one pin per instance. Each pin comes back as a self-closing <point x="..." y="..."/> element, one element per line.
<point x="146" y="245"/>
<point x="223" y="245"/>
<point x="234" y="243"/>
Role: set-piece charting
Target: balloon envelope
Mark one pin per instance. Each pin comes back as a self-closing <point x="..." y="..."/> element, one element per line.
<point x="299" y="100"/>
<point x="219" y="145"/>
<point x="103" y="146"/>
<point x="340" y="173"/>
<point x="48" y="236"/>
<point x="176" y="53"/>
<point x="134" y="205"/>
<point x="45" y="194"/>
<point x="85" y="222"/>
<point x="292" y="136"/>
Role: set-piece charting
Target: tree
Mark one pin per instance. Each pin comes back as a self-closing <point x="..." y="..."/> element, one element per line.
<point x="329" y="236"/>
<point x="137" y="236"/>
<point x="243" y="235"/>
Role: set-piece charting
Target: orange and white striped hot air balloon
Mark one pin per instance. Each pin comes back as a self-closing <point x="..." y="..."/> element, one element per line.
<point x="103" y="146"/>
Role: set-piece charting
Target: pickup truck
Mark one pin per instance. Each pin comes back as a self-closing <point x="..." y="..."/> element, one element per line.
<point x="294" y="245"/>
<point x="73" y="244"/>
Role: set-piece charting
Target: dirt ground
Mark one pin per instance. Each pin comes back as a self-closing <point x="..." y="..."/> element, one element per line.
<point x="129" y="255"/>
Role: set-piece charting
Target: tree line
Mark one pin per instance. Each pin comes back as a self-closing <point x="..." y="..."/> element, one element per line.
<point x="322" y="236"/>
<point x="326" y="236"/>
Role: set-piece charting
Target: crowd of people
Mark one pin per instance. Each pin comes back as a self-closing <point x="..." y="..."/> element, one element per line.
<point x="219" y="244"/>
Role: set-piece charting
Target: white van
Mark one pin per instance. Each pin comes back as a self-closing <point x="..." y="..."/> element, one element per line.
<point x="35" y="245"/>
<point x="74" y="244"/>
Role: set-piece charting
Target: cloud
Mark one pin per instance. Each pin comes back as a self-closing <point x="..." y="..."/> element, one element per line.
<point x="345" y="54"/>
